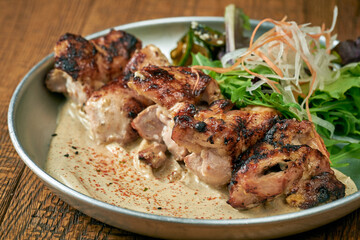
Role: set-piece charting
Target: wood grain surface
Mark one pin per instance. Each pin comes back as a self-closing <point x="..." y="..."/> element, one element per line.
<point x="28" y="31"/>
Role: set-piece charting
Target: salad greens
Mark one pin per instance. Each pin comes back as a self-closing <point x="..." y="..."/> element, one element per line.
<point x="234" y="86"/>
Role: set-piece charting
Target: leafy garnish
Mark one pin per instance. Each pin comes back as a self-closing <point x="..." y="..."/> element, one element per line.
<point x="339" y="103"/>
<point x="234" y="85"/>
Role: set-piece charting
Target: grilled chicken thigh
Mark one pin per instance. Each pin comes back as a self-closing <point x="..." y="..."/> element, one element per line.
<point x="287" y="162"/>
<point x="154" y="154"/>
<point x="111" y="109"/>
<point x="148" y="124"/>
<point x="216" y="135"/>
<point x="149" y="55"/>
<point x="155" y="124"/>
<point x="82" y="66"/>
<point x="167" y="86"/>
<point x="116" y="49"/>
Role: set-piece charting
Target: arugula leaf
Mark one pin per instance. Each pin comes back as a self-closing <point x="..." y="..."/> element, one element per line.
<point x="349" y="78"/>
<point x="351" y="150"/>
<point x="234" y="85"/>
<point x="339" y="102"/>
<point x="346" y="160"/>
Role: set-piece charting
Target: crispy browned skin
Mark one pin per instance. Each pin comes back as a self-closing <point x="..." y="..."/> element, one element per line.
<point x="228" y="131"/>
<point x="217" y="135"/>
<point x="167" y="86"/>
<point x="116" y="48"/>
<point x="295" y="132"/>
<point x="149" y="55"/>
<point x="282" y="164"/>
<point x="82" y="66"/>
<point x="77" y="57"/>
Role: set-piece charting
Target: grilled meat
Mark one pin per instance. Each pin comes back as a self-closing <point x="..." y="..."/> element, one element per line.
<point x="229" y="132"/>
<point x="167" y="86"/>
<point x="154" y="124"/>
<point x="110" y="111"/>
<point x="216" y="135"/>
<point x="112" y="108"/>
<point x="116" y="48"/>
<point x="154" y="154"/>
<point x="287" y="162"/>
<point x="148" y="124"/>
<point x="210" y="167"/>
<point x="82" y="66"/>
<point x="149" y="55"/>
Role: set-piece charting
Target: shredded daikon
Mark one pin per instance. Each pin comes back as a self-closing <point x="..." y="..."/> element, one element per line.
<point x="295" y="53"/>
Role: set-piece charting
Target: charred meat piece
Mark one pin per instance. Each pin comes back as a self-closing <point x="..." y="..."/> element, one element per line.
<point x="76" y="71"/>
<point x="217" y="135"/>
<point x="321" y="188"/>
<point x="126" y="104"/>
<point x="154" y="154"/>
<point x="167" y="86"/>
<point x="116" y="48"/>
<point x="289" y="162"/>
<point x="300" y="173"/>
<point x="110" y="111"/>
<point x="293" y="132"/>
<point x="149" y="55"/>
<point x="286" y="132"/>
<point x="229" y="132"/>
<point x="82" y="66"/>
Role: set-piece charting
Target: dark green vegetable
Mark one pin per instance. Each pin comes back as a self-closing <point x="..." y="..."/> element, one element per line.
<point x="180" y="55"/>
<point x="233" y="86"/>
<point x="199" y="39"/>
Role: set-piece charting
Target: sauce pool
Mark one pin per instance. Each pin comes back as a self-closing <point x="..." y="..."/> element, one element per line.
<point x="115" y="175"/>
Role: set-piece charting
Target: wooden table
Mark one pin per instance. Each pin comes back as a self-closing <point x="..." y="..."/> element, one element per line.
<point x="28" y="31"/>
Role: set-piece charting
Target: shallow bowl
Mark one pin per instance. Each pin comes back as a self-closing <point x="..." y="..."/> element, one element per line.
<point x="32" y="119"/>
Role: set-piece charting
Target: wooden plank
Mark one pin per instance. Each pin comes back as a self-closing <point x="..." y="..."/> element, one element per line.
<point x="36" y="213"/>
<point x="27" y="34"/>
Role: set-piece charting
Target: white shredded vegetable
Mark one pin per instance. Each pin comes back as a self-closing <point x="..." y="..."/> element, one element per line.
<point x="300" y="62"/>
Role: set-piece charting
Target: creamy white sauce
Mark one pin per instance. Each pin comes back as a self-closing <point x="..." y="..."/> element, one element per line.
<point x="113" y="174"/>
